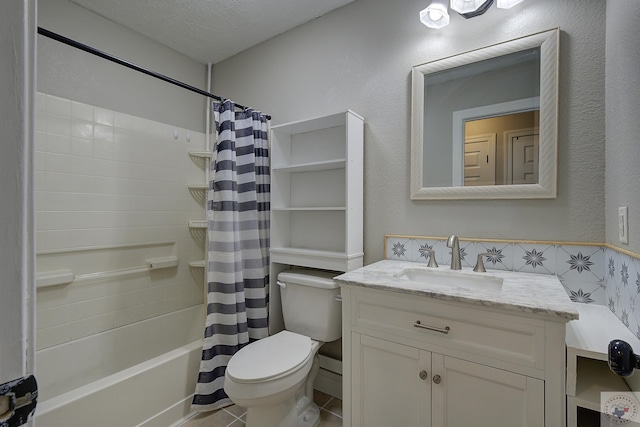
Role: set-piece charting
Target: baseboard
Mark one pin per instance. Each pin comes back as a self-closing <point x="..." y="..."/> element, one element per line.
<point x="329" y="383"/>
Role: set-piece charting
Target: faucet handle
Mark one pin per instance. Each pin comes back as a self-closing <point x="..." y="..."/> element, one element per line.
<point x="432" y="258"/>
<point x="479" y="268"/>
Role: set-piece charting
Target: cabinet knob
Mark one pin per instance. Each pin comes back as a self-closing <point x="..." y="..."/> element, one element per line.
<point x="437" y="379"/>
<point x="423" y="375"/>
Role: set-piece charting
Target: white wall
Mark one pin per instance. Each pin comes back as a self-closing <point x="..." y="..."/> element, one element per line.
<point x="17" y="68"/>
<point x="623" y="119"/>
<point x="70" y="73"/>
<point x="360" y="57"/>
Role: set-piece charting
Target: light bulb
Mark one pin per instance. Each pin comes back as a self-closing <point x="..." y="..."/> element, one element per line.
<point x="435" y="15"/>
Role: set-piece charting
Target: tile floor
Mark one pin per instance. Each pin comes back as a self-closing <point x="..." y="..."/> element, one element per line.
<point x="233" y="416"/>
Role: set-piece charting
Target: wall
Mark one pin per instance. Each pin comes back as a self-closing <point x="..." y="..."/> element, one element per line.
<point x="622" y="124"/>
<point x="360" y="57"/>
<point x="111" y="181"/>
<point x="17" y="68"/>
<point x="111" y="190"/>
<point x="70" y="73"/>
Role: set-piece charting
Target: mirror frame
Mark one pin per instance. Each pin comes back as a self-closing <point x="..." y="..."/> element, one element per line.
<point x="546" y="188"/>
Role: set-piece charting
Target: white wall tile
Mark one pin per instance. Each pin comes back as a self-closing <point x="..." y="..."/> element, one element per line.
<point x="81" y="111"/>
<point x="58" y="106"/>
<point x="105" y="178"/>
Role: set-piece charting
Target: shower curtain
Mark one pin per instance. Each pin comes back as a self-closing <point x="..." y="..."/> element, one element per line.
<point x="238" y="241"/>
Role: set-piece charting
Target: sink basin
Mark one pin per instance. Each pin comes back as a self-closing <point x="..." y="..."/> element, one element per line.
<point x="478" y="281"/>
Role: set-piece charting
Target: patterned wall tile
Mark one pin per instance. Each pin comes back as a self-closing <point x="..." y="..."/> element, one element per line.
<point x="589" y="274"/>
<point x="585" y="292"/>
<point x="530" y="258"/>
<point x="580" y="262"/>
<point x="422" y="247"/>
<point x="500" y="255"/>
<point x="400" y="249"/>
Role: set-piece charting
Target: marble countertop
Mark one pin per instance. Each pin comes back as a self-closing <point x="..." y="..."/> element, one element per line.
<point x="538" y="294"/>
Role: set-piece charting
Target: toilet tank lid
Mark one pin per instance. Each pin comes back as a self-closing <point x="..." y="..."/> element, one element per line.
<point x="314" y="278"/>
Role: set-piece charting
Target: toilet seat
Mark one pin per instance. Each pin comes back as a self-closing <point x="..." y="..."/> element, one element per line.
<point x="269" y="358"/>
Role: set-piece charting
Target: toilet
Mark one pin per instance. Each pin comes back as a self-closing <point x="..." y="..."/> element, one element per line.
<point x="273" y="377"/>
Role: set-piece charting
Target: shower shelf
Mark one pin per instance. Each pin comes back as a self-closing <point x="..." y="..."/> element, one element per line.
<point x="202" y="154"/>
<point x="199" y="223"/>
<point x="198" y="187"/>
<point x="198" y="264"/>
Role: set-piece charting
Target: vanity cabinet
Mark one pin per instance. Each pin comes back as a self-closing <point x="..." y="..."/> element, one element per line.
<point x="396" y="384"/>
<point x="415" y="361"/>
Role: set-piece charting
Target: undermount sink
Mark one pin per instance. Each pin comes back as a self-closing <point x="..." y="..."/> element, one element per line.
<point x="427" y="276"/>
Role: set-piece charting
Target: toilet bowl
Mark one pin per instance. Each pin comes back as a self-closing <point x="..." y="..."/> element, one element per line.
<point x="273" y="377"/>
<point x="269" y="380"/>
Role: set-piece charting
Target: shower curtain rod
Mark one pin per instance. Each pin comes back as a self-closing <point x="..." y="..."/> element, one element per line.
<point x="104" y="55"/>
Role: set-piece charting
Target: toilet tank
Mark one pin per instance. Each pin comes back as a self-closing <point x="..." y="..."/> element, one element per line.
<point x="309" y="304"/>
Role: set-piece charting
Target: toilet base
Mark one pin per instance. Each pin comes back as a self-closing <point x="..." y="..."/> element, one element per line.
<point x="283" y="414"/>
<point x="308" y="413"/>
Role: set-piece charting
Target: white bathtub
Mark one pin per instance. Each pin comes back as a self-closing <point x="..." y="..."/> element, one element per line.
<point x="138" y="375"/>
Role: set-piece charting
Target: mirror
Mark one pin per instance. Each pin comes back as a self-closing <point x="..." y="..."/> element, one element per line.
<point x="484" y="123"/>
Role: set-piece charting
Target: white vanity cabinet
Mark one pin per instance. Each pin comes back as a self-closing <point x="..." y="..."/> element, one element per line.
<point x="410" y="360"/>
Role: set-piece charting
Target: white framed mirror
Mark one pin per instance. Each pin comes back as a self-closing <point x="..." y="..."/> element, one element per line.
<point x="484" y="123"/>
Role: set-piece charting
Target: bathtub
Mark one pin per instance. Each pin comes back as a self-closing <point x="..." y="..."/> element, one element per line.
<point x="142" y="374"/>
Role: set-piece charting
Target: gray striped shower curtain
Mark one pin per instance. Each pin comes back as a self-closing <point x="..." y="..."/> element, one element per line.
<point x="238" y="247"/>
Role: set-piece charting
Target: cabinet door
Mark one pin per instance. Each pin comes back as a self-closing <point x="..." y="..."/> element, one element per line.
<point x="469" y="394"/>
<point x="390" y="384"/>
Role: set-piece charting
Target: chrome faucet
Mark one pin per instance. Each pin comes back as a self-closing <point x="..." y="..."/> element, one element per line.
<point x="455" y="252"/>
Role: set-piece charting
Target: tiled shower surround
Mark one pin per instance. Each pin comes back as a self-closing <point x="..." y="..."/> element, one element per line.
<point x="111" y="187"/>
<point x="591" y="274"/>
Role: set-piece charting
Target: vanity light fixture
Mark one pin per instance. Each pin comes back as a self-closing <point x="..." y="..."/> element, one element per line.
<point x="470" y="8"/>
<point x="436" y="15"/>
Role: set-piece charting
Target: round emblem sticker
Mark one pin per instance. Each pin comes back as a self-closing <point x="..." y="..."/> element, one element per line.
<point x="620" y="409"/>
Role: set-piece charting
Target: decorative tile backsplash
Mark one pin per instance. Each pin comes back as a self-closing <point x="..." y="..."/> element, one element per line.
<point x="591" y="274"/>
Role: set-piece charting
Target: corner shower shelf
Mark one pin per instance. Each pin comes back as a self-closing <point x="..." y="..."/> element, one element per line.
<point x="198" y="187"/>
<point x="198" y="264"/>
<point x="202" y="154"/>
<point x="198" y="223"/>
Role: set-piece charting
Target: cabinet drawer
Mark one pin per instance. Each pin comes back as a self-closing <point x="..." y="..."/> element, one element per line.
<point x="464" y="330"/>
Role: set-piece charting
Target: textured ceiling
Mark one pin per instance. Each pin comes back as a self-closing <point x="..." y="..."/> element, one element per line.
<point x="210" y="30"/>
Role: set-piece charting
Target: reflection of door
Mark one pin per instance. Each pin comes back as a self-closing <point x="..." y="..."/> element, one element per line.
<point x="480" y="160"/>
<point x="522" y="157"/>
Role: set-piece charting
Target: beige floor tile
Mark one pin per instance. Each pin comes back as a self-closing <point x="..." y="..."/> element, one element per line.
<point x="320" y="398"/>
<point x="207" y="419"/>
<point x="236" y="410"/>
<point x="328" y="419"/>
<point x="334" y="406"/>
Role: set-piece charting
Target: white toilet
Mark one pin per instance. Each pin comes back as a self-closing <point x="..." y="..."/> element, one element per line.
<point x="273" y="377"/>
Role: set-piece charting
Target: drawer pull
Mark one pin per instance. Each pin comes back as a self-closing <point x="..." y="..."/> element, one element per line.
<point x="423" y="375"/>
<point x="437" y="379"/>
<point x="444" y="330"/>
